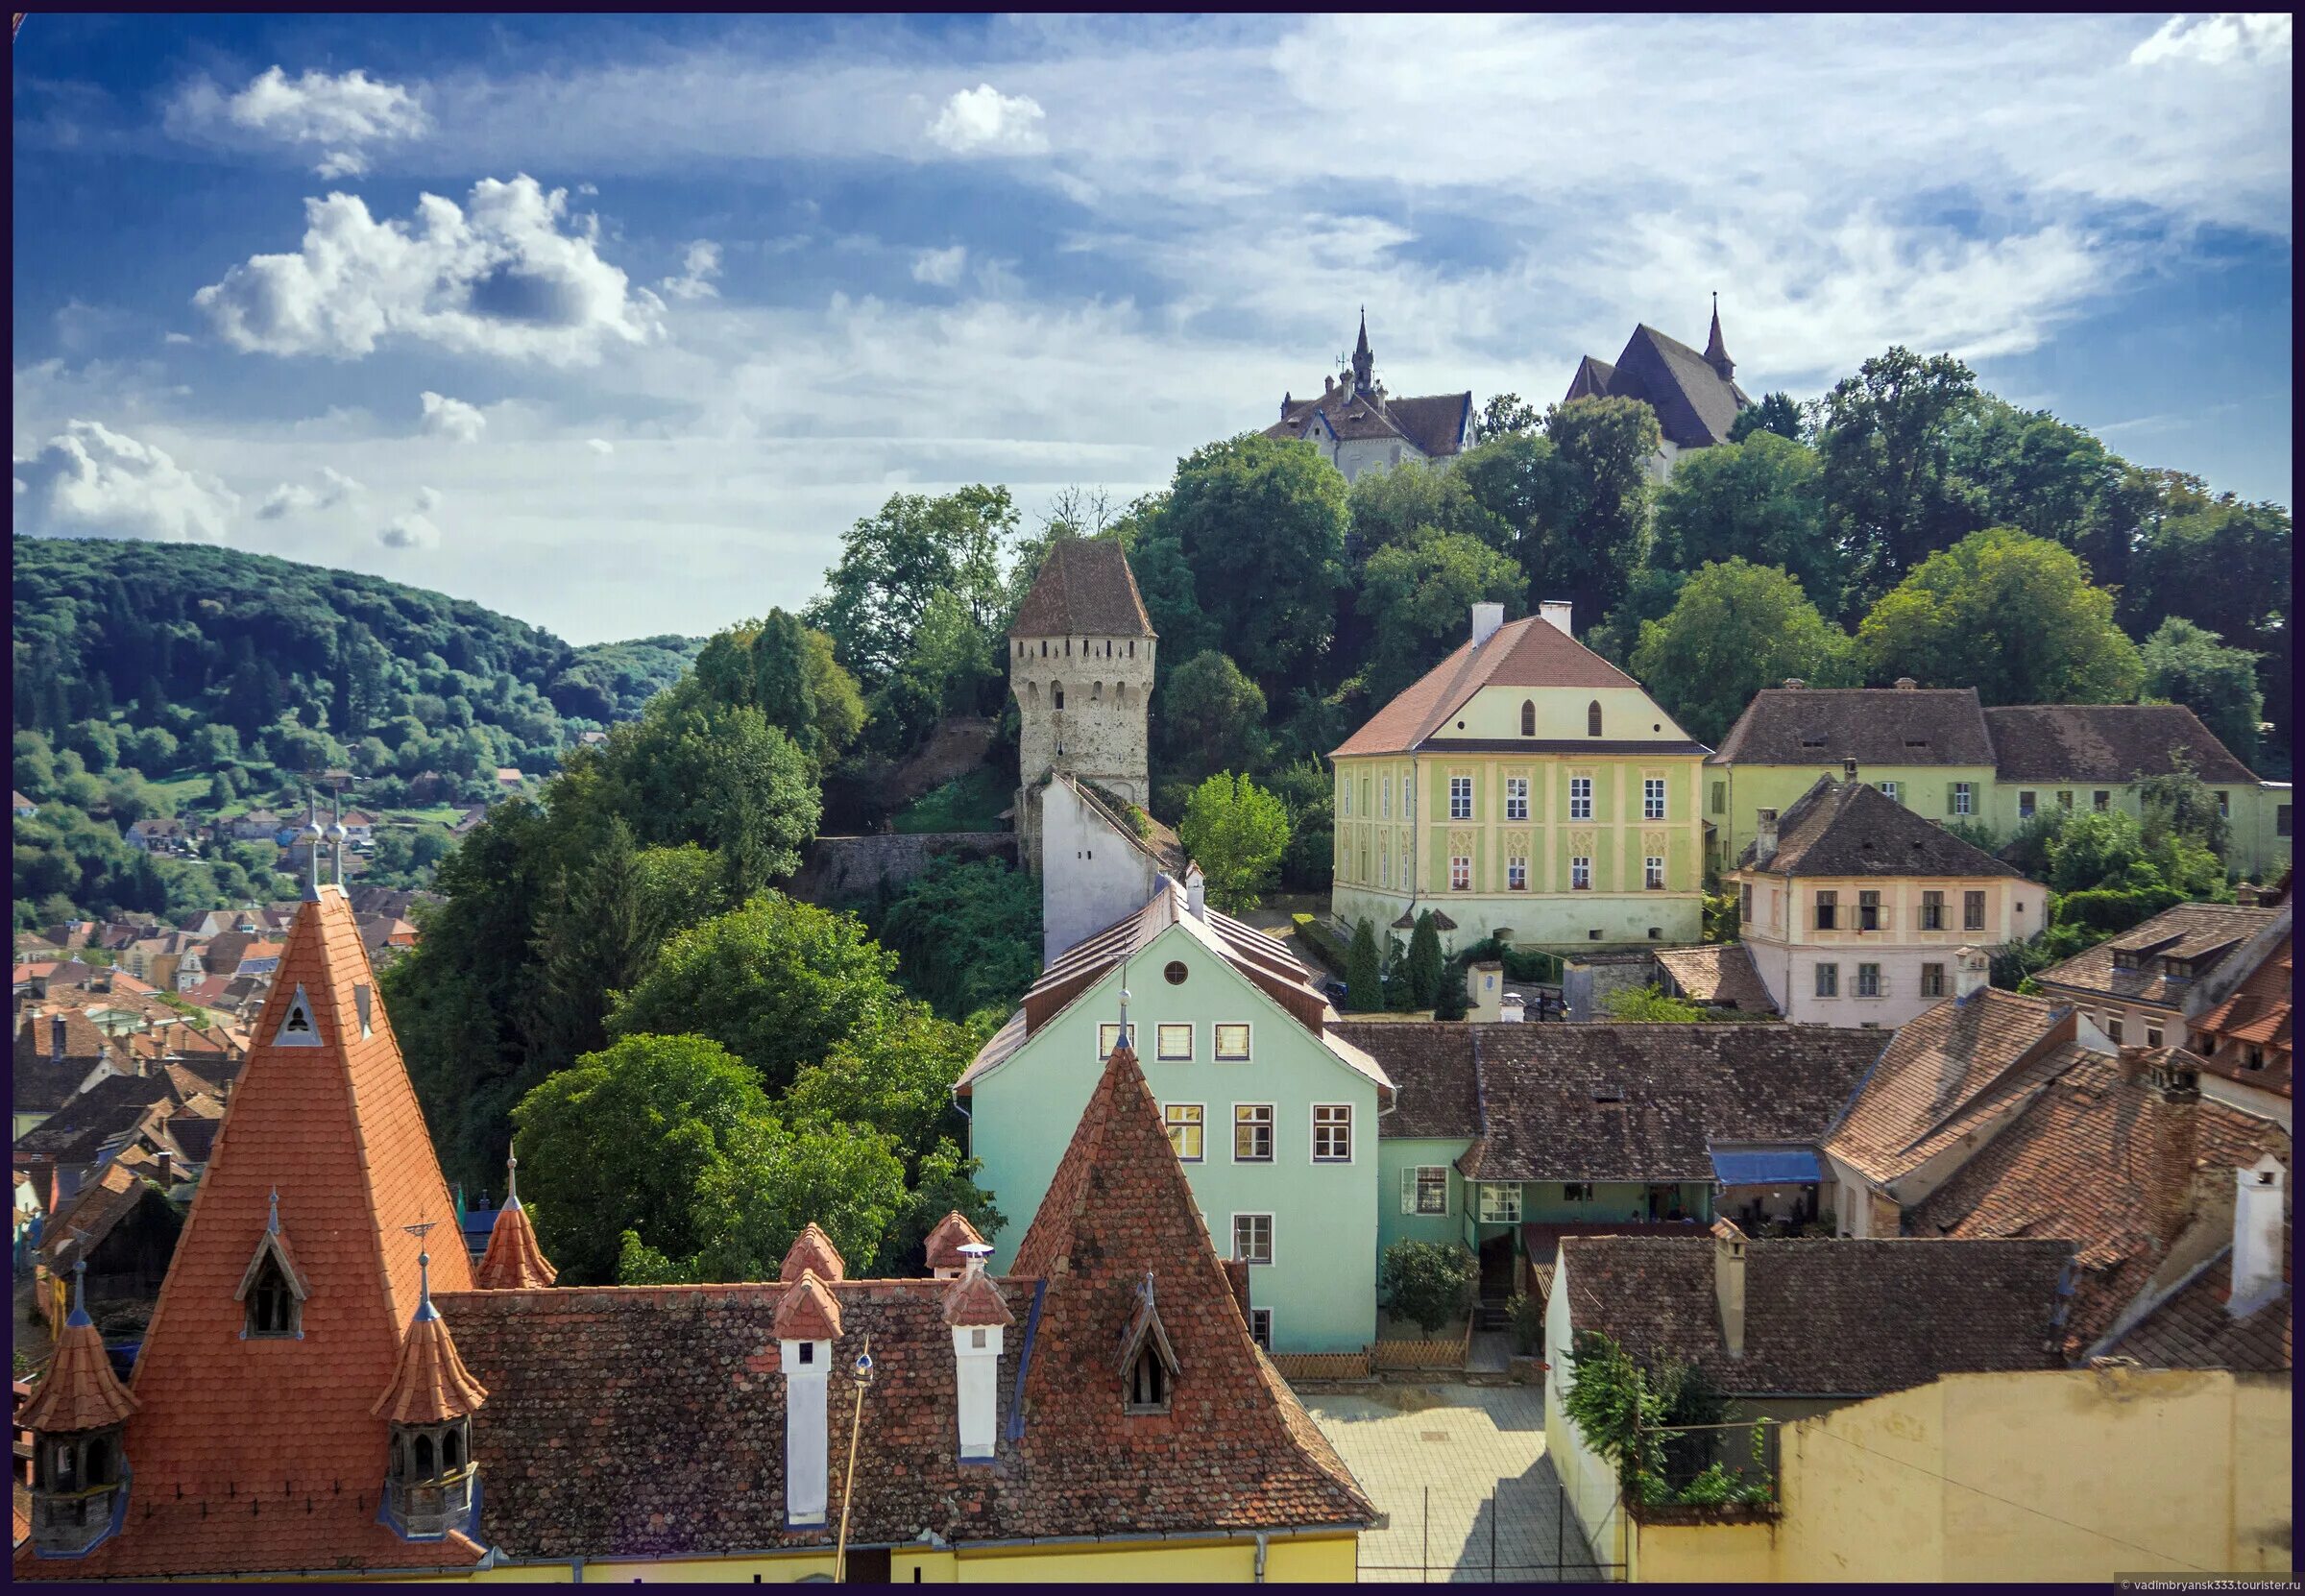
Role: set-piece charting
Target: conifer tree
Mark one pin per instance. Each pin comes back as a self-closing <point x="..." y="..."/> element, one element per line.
<point x="1364" y="975"/>
<point x="1424" y="962"/>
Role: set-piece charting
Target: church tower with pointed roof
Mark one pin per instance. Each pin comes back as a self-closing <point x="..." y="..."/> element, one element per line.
<point x="514" y="1261"/>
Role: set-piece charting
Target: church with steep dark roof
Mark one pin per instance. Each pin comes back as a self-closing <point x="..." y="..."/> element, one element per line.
<point x="1695" y="396"/>
<point x="1358" y="426"/>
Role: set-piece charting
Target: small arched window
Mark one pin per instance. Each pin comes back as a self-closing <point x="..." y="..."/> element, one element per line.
<point x="271" y="1304"/>
<point x="1096" y="692"/>
<point x="99" y="1456"/>
<point x="1056" y="694"/>
<point x="1593" y="718"/>
<point x="1528" y="718"/>
<point x="1147" y="1383"/>
<point x="448" y="1450"/>
<point x="1044" y="649"/>
<point x="423" y="1456"/>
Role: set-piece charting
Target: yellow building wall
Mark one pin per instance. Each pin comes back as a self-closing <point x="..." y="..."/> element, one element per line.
<point x="1711" y="1553"/>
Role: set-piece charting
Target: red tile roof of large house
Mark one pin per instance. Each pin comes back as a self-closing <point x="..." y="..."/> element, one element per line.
<point x="2159" y="960"/>
<point x="1530" y="653"/>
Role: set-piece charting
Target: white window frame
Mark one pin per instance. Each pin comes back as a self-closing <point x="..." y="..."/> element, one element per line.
<point x="1271" y="1123"/>
<point x="1110" y="1033"/>
<point x="1888" y="790"/>
<point x="1412" y="1191"/>
<point x="1652" y="867"/>
<point x="1517" y="874"/>
<point x="1973" y="896"/>
<point x="1351" y="1152"/>
<point x="1939" y="991"/>
<point x="1460" y="797"/>
<point x="1460" y="872"/>
<point x="1652" y="798"/>
<point x="1580" y="873"/>
<point x="1383" y="799"/>
<point x="1160" y="1042"/>
<point x="1932" y="907"/>
<point x="1580" y="803"/>
<point x="1516" y="797"/>
<point x="1963" y="798"/>
<point x="1272" y="1244"/>
<point x="1217" y="1041"/>
<point x="1347" y="795"/>
<point x="1198" y="1124"/>
<point x="1384" y="862"/>
<point x="1266" y="1341"/>
<point x="1493" y="1213"/>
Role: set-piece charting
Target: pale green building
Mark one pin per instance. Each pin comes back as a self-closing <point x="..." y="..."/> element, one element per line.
<point x="1943" y="755"/>
<point x="1273" y="1115"/>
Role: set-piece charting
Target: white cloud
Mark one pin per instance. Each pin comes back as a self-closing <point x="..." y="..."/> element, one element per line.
<point x="409" y="531"/>
<point x="92" y="482"/>
<point x="600" y="446"/>
<point x="984" y="118"/>
<point x="452" y="417"/>
<point x="294" y="499"/>
<point x="697" y="271"/>
<point x="940" y="268"/>
<point x="427" y="500"/>
<point x="497" y="276"/>
<point x="342" y="115"/>
<point x="2218" y="40"/>
<point x="176" y="338"/>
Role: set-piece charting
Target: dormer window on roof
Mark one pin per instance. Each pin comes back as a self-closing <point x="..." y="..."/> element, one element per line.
<point x="1147" y="1362"/>
<point x="297" y="1029"/>
<point x="272" y="1291"/>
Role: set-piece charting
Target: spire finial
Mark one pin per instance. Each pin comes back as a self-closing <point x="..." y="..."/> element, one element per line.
<point x="312" y="841"/>
<point x="272" y="1222"/>
<point x="1716" y="348"/>
<point x="1124" y="1041"/>
<point x="79" y="1292"/>
<point x="424" y="1270"/>
<point x="512" y="1180"/>
<point x="336" y="831"/>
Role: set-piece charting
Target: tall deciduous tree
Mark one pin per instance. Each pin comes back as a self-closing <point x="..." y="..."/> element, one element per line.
<point x="893" y="563"/>
<point x="1236" y="831"/>
<point x="1776" y="413"/>
<point x="1761" y="500"/>
<point x="1886" y="438"/>
<point x="2014" y="616"/>
<point x="1211" y="718"/>
<point x="592" y="939"/>
<point x="1415" y="595"/>
<point x="2187" y="665"/>
<point x="1736" y="628"/>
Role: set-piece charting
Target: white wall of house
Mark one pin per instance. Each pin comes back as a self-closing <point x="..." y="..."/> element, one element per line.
<point x="1090" y="875"/>
<point x="1589" y="1483"/>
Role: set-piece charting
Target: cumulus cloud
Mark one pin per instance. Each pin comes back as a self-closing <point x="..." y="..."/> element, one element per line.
<point x="600" y="446"/>
<point x="427" y="500"/>
<point x="414" y="530"/>
<point x="940" y="268"/>
<point x="90" y="481"/>
<point x="2218" y="40"/>
<point x="295" y="498"/>
<point x="695" y="279"/>
<point x="341" y="114"/>
<point x="452" y="417"/>
<point x="984" y="119"/>
<point x="496" y="277"/>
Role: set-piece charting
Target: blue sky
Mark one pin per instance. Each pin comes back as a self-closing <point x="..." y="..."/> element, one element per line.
<point x="616" y="322"/>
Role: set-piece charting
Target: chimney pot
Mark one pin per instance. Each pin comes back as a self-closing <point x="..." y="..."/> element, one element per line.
<point x="1906" y="684"/>
<point x="1764" y="836"/>
<point x="56" y="1038"/>
<point x="806" y="1367"/>
<point x="1555" y="612"/>
<point x="1971" y="971"/>
<point x="1849" y="770"/>
<point x="2256" y="1235"/>
<point x="1195" y="892"/>
<point x="1487" y="620"/>
<point x="1794" y="684"/>
<point x="1729" y="1283"/>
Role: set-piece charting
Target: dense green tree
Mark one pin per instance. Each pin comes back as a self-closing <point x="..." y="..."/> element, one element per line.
<point x="1885" y="440"/>
<point x="1415" y="594"/>
<point x="1392" y="506"/>
<point x="1761" y="500"/>
<point x="1236" y="831"/>
<point x="1736" y="628"/>
<point x="2226" y="566"/>
<point x="777" y="983"/>
<point x="34" y="771"/>
<point x="2094" y="849"/>
<point x="774" y="1177"/>
<point x="1648" y="1005"/>
<point x="2185" y="665"/>
<point x="1502" y="414"/>
<point x="2180" y="804"/>
<point x="1776" y="413"/>
<point x="1165" y="581"/>
<point x="1364" y="972"/>
<point x="2014" y="616"/>
<point x="895" y="1077"/>
<point x="1307" y="790"/>
<point x="593" y="939"/>
<point x="1209" y="716"/>
<point x="1595" y="534"/>
<point x="1430" y="1284"/>
<point x="895" y="562"/>
<point x="966" y="935"/>
<point x="2029" y="469"/>
<point x="691" y="771"/>
<point x="1424" y="962"/>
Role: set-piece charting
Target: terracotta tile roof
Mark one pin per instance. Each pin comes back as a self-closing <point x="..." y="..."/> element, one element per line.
<point x="1431" y="1066"/>
<point x="429" y="1382"/>
<point x="75" y="1132"/>
<point x="337" y="1130"/>
<point x="2196" y="1328"/>
<point x="1719" y="975"/>
<point x="2107" y="1164"/>
<point x="952" y="1232"/>
<point x="1695" y="405"/>
<point x="2190" y="932"/>
<point x="975" y="1300"/>
<point x="1946" y="1071"/>
<point x="85" y="1218"/>
<point x="85" y="1045"/>
<point x="1852" y="828"/>
<point x="2105" y="742"/>
<point x="806" y="1311"/>
<point x="1433" y="423"/>
<point x="813" y="1252"/>
<point x="1161" y="844"/>
<point x="1649" y="1101"/>
<point x="1084" y="589"/>
<point x="78" y="1390"/>
<point x="514" y="1261"/>
<point x="1870" y="725"/>
<point x="1530" y="653"/>
<point x="42" y="1085"/>
<point x="2254" y="1014"/>
<point x="1825" y="1317"/>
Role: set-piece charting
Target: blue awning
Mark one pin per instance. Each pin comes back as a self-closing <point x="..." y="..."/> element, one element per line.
<point x="1775" y="1167"/>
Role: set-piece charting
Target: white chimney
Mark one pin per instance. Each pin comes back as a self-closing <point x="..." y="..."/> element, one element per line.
<point x="978" y="1322"/>
<point x="1512" y="1013"/>
<point x="2256" y="1236"/>
<point x="1486" y="618"/>
<point x="1906" y="684"/>
<point x="1555" y="612"/>
<point x="56" y="1038"/>
<point x="1764" y="836"/>
<point x="1195" y="892"/>
<point x="807" y="1317"/>
<point x="1729" y="1283"/>
<point x="1971" y="971"/>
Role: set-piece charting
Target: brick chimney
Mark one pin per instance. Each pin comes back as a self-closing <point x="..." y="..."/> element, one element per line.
<point x="1764" y="836"/>
<point x="1236" y="1276"/>
<point x="2171" y="1132"/>
<point x="2256" y="1235"/>
<point x="1729" y="1283"/>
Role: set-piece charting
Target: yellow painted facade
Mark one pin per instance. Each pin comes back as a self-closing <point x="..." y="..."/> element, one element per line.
<point x="2062" y="1475"/>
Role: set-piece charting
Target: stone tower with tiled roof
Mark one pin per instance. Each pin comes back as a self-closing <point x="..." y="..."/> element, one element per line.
<point x="1080" y="659"/>
<point x="257" y="1444"/>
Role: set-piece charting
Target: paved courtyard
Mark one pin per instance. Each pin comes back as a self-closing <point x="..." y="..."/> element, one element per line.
<point x="1476" y="1456"/>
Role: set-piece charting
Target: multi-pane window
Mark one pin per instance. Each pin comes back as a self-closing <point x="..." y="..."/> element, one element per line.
<point x="1829" y="909"/>
<point x="1260" y="1327"/>
<point x="2152" y="1035"/>
<point x="1348" y="797"/>
<point x="2113" y="1029"/>
<point x="1932" y="911"/>
<point x="1460" y="797"/>
<point x="1424" y="1189"/>
<point x="2100" y="800"/>
<point x="1579" y="797"/>
<point x="1183" y="1121"/>
<point x="2065" y="800"/>
<point x="1888" y="790"/>
<point x="1868" y="981"/>
<point x="1332" y="1133"/>
<point x="1517" y="874"/>
<point x="1652" y="873"/>
<point x="1972" y="911"/>
<point x="1652" y="798"/>
<point x="1384" y="863"/>
<point x="1108" y="1034"/>
<point x="1868" y="910"/>
<point x="1253" y="1133"/>
<point x="1173" y="1042"/>
<point x="1383" y="799"/>
<point x="1829" y="980"/>
<point x="2026" y="804"/>
<point x="1500" y="1204"/>
<point x="1232" y="1043"/>
<point x="1460" y="872"/>
<point x="1363" y="795"/>
<point x="1252" y="1238"/>
<point x="1964" y="798"/>
<point x="1932" y="981"/>
<point x="1516" y="797"/>
<point x="1580" y="874"/>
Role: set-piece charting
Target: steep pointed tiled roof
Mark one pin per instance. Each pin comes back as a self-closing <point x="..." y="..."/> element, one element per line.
<point x="1852" y="828"/>
<point x="513" y="1260"/>
<point x="429" y="1383"/>
<point x="813" y="1251"/>
<point x="808" y="1312"/>
<point x="78" y="1391"/>
<point x="336" y="1128"/>
<point x="1084" y="588"/>
<point x="952" y="1232"/>
<point x="1695" y="404"/>
<point x="975" y="1300"/>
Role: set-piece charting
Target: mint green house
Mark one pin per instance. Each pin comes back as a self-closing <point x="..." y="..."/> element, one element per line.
<point x="1273" y="1115"/>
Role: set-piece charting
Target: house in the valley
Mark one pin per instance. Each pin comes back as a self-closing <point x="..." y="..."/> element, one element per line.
<point x="158" y="834"/>
<point x="1531" y="790"/>
<point x="1271" y="1113"/>
<point x="25" y="808"/>
<point x="1855" y="911"/>
<point x="2135" y="985"/>
<point x="2237" y="1020"/>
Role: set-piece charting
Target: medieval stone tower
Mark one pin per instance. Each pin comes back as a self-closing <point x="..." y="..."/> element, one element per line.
<point x="1081" y="665"/>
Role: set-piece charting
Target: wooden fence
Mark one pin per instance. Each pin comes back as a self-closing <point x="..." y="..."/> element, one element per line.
<point x="1449" y="1353"/>
<point x="1322" y="1366"/>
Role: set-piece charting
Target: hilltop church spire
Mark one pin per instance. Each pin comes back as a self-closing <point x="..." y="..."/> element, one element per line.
<point x="1717" y="351"/>
<point x="1363" y="363"/>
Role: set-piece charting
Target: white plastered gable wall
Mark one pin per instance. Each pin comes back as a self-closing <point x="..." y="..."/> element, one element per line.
<point x="1091" y="875"/>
